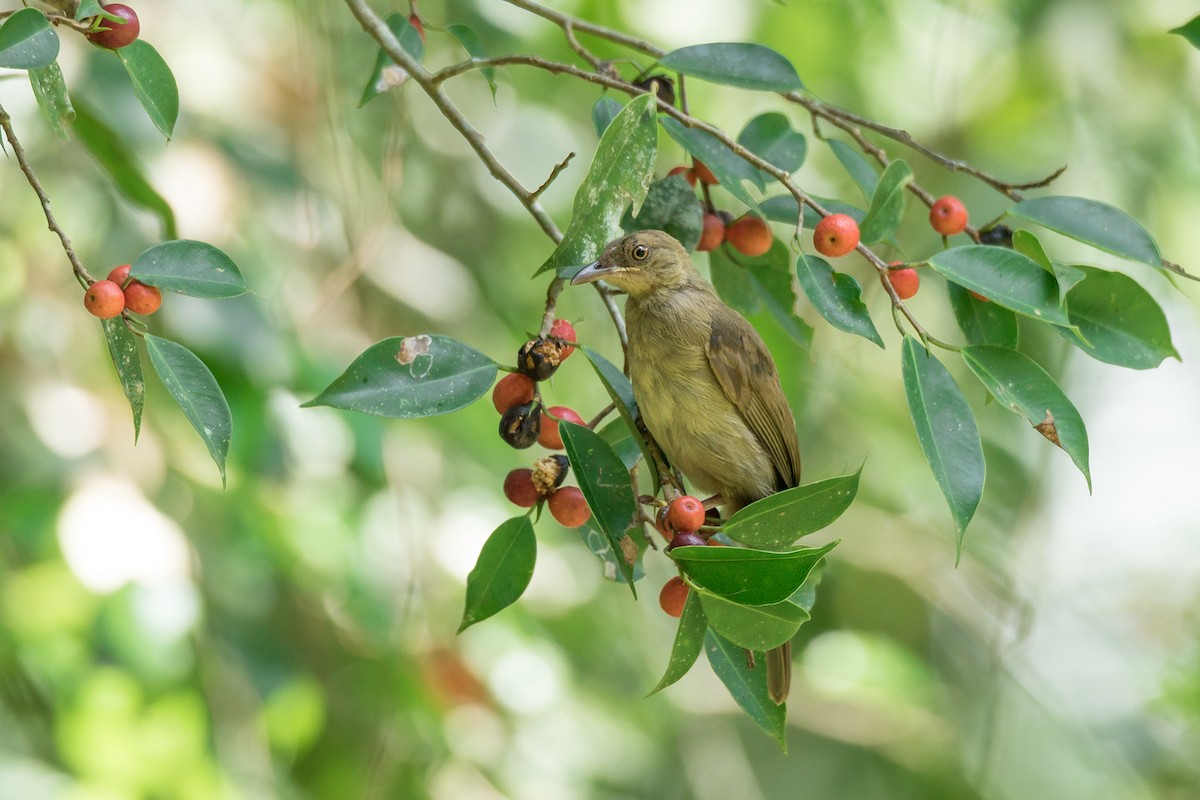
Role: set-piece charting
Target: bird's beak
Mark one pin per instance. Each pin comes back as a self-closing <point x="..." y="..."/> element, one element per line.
<point x="592" y="272"/>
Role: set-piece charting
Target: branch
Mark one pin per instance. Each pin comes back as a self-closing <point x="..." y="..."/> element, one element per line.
<point x="81" y="273"/>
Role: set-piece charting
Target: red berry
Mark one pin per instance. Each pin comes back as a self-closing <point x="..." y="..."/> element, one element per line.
<point x="685" y="172"/>
<point x="686" y="539"/>
<point x="513" y="389"/>
<point x="685" y="514"/>
<point x="713" y="234"/>
<point x="703" y="173"/>
<point x="415" y="21"/>
<point x="905" y="281"/>
<point x="142" y="299"/>
<point x="948" y="215"/>
<point x="836" y="235"/>
<point x="104" y="299"/>
<point x="518" y="487"/>
<point x="562" y="329"/>
<point x="550" y="438"/>
<point x="115" y="35"/>
<point x="749" y="235"/>
<point x="119" y="275"/>
<point x="673" y="595"/>
<point x="568" y="507"/>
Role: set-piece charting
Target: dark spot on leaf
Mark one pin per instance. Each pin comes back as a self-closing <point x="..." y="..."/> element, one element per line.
<point x="1047" y="428"/>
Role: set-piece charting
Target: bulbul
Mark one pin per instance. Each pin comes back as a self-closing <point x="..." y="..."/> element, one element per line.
<point x="705" y="384"/>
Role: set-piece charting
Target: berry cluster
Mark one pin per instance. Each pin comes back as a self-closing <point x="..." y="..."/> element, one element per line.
<point x="524" y="420"/>
<point x="748" y="234"/>
<point x="679" y="522"/>
<point x="115" y="34"/>
<point x="108" y="298"/>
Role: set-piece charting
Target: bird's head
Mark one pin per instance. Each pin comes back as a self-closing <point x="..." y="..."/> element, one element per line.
<point x="640" y="264"/>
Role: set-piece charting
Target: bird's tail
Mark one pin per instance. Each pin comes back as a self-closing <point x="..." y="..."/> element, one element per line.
<point x="779" y="672"/>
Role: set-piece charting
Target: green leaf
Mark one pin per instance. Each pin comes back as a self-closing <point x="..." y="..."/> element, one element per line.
<point x="616" y="432"/>
<point x="620" y="390"/>
<point x="197" y="393"/>
<point x="887" y="203"/>
<point x="859" y="169"/>
<point x="121" y="166"/>
<point x="1190" y="30"/>
<point x="771" y="279"/>
<point x="747" y="685"/>
<point x="27" y="41"/>
<point x="1118" y="321"/>
<point x="771" y="137"/>
<point x="620" y="175"/>
<point x="671" y="205"/>
<point x="747" y="66"/>
<point x="752" y="627"/>
<point x="153" y="84"/>
<point x="387" y="74"/>
<point x="88" y="8"/>
<point x="1018" y="382"/>
<point x="946" y="429"/>
<point x="595" y="540"/>
<point x="189" y="267"/>
<point x="50" y="91"/>
<point x="470" y="42"/>
<point x="732" y="282"/>
<point x="747" y="576"/>
<point x="783" y="208"/>
<point x="836" y="297"/>
<point x="411" y="376"/>
<point x="1093" y="223"/>
<point x="1006" y="277"/>
<point x="122" y="346"/>
<point x="778" y="520"/>
<point x="606" y="486"/>
<point x="603" y="113"/>
<point x="689" y="640"/>
<point x="502" y="571"/>
<point x="983" y="322"/>
<point x="1027" y="244"/>
<point x="729" y="168"/>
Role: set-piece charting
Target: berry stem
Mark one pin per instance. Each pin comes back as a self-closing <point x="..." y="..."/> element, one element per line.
<point x="81" y="274"/>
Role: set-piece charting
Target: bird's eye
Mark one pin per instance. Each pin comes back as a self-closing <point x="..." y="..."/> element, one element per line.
<point x="640" y="252"/>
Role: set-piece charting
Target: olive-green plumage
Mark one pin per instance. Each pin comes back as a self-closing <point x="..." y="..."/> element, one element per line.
<point x="705" y="383"/>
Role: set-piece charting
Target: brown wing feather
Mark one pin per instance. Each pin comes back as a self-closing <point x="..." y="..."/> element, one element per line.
<point x="744" y="369"/>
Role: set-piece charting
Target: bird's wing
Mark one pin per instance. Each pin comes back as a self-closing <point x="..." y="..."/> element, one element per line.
<point x="744" y="369"/>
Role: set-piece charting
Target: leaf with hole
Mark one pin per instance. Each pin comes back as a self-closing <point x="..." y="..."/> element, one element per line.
<point x="836" y="296"/>
<point x="620" y="175"/>
<point x="778" y="520"/>
<point x="502" y="571"/>
<point x="196" y="391"/>
<point x="153" y="84"/>
<point x="946" y="430"/>
<point x="411" y="376"/>
<point x="387" y="74"/>
<point x="744" y="65"/>
<point x="1017" y="381"/>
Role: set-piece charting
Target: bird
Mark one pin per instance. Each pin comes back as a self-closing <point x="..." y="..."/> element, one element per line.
<point x="706" y="385"/>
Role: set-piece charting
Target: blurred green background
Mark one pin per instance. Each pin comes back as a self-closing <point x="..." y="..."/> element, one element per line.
<point x="292" y="636"/>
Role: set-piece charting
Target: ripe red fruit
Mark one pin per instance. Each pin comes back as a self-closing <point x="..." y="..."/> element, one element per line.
<point x="948" y="215"/>
<point x="115" y="35"/>
<point x="562" y="329"/>
<point x="749" y="235"/>
<point x="673" y="595"/>
<point x="568" y="507"/>
<point x="836" y="235"/>
<point x="142" y="299"/>
<point x="513" y="389"/>
<point x="685" y="172"/>
<point x="685" y="514"/>
<point x="703" y="173"/>
<point x="104" y="299"/>
<point x="119" y="275"/>
<point x="550" y="438"/>
<point x="713" y="234"/>
<point x="518" y="487"/>
<point x="686" y="539"/>
<point x="905" y="281"/>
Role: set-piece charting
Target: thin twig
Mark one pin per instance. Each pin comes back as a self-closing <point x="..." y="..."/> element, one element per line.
<point x="604" y="412"/>
<point x="554" y="173"/>
<point x="81" y="273"/>
<point x="563" y="21"/>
